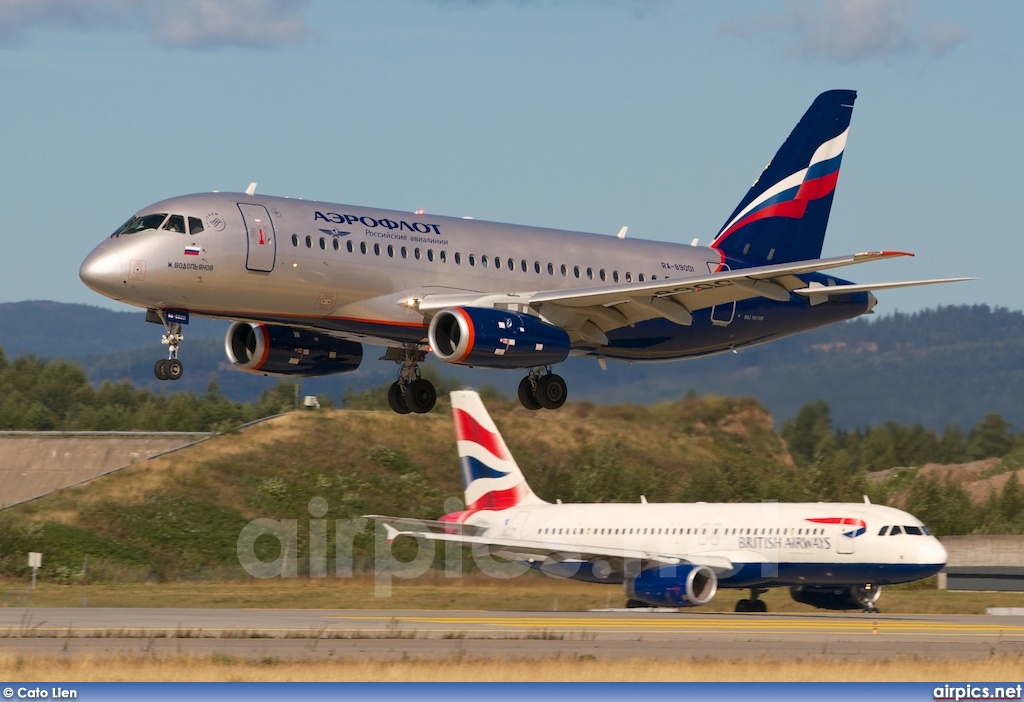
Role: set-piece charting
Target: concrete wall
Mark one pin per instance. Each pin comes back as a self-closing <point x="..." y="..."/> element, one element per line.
<point x="983" y="563"/>
<point x="35" y="464"/>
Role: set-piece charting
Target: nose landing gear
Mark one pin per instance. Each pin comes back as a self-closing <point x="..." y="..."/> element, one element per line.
<point x="169" y="368"/>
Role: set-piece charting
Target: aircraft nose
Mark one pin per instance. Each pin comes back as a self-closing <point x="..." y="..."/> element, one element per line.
<point x="102" y="271"/>
<point x="932" y="553"/>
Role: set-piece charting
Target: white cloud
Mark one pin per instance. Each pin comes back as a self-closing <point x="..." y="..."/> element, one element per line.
<point x="173" y="23"/>
<point x="850" y="30"/>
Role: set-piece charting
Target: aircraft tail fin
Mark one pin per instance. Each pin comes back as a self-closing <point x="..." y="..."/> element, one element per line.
<point x="491" y="477"/>
<point x="783" y="217"/>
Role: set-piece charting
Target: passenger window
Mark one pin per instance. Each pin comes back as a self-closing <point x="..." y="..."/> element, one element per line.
<point x="405" y="252"/>
<point x="323" y="244"/>
<point x="472" y="260"/>
<point x="551" y="269"/>
<point x="536" y="266"/>
<point x="295" y="239"/>
<point x="416" y="253"/>
<point x="443" y="256"/>
<point x="895" y="530"/>
<point x="525" y="266"/>
<point x="564" y="270"/>
<point x="615" y="276"/>
<point x="376" y="249"/>
<point x="576" y="271"/>
<point x="458" y="259"/>
<point x="629" y="277"/>
<point x="590" y="273"/>
<point x="430" y="254"/>
<point x="195" y="225"/>
<point x="348" y="245"/>
<point x="362" y="247"/>
<point x="309" y="242"/>
<point x="641" y="277"/>
<point x="483" y="261"/>
<point x="175" y="223"/>
<point x="335" y="244"/>
<point x="391" y="251"/>
<point x="601" y="274"/>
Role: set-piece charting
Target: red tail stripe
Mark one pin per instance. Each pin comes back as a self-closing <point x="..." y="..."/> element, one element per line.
<point x="500" y="499"/>
<point x="468" y="429"/>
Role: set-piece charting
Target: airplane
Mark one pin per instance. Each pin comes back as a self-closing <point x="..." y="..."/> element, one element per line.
<point x="831" y="555"/>
<point x="306" y="284"/>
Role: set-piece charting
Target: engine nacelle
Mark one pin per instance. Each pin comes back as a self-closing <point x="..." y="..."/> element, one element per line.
<point x="857" y="597"/>
<point x="492" y="338"/>
<point x="278" y="350"/>
<point x="681" y="585"/>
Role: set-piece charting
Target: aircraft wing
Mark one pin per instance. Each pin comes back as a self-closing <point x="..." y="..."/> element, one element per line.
<point x="621" y="560"/>
<point x="592" y="311"/>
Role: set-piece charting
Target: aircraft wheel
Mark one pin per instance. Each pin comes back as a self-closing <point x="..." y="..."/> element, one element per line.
<point x="174" y="369"/>
<point x="160" y="369"/>
<point x="744" y="605"/>
<point x="635" y="604"/>
<point x="421" y="396"/>
<point x="760" y="606"/>
<point x="551" y="391"/>
<point x="527" y="398"/>
<point x="396" y="400"/>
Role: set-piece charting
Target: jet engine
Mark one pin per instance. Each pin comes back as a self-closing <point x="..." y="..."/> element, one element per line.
<point x="279" y="350"/>
<point x="493" y="338"/>
<point x="856" y="597"/>
<point x="681" y="585"/>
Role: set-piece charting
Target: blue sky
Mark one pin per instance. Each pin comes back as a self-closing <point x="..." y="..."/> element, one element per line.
<point x="574" y="114"/>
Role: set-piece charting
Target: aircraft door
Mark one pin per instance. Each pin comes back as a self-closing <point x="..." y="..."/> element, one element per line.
<point x="259" y="228"/>
<point x="849" y="529"/>
<point x="721" y="315"/>
<point x="512" y="527"/>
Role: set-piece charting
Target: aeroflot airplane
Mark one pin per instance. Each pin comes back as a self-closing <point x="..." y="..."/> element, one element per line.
<point x="307" y="283"/>
<point x="831" y="555"/>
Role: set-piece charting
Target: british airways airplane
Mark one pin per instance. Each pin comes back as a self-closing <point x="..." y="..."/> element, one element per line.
<point x="831" y="555"/>
<point x="306" y="284"/>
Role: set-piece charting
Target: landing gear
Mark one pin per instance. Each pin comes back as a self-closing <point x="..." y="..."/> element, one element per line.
<point x="542" y="389"/>
<point x="754" y="604"/>
<point x="410" y="393"/>
<point x="169" y="368"/>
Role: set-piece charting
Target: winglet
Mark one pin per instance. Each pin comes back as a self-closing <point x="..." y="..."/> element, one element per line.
<point x="392" y="532"/>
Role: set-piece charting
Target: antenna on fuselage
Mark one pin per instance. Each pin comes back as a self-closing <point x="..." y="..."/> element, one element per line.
<point x="622" y="233"/>
<point x="251" y="190"/>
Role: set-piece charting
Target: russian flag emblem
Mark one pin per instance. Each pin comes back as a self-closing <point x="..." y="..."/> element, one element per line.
<point x="192" y="250"/>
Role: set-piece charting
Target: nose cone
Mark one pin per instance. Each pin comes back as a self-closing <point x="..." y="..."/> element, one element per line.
<point x="102" y="271"/>
<point x="932" y="553"/>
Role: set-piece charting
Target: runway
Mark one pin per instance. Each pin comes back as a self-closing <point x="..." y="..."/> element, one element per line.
<point x="395" y="634"/>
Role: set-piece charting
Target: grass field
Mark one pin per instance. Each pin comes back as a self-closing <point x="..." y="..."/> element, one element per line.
<point x="530" y="592"/>
<point x="225" y="668"/>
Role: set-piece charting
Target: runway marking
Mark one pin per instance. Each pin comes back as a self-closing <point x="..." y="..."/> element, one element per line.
<point x="724" y="624"/>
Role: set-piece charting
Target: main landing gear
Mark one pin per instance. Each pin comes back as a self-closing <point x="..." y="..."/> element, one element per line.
<point x="754" y="604"/>
<point x="542" y="389"/>
<point x="169" y="368"/>
<point x="410" y="393"/>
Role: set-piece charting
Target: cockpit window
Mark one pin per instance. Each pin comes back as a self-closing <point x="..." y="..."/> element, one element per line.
<point x="883" y="531"/>
<point x="141" y="224"/>
<point x="895" y="530"/>
<point x="175" y="223"/>
<point x="916" y="531"/>
<point x="195" y="225"/>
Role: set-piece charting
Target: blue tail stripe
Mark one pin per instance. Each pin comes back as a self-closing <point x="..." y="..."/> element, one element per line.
<point x="474" y="469"/>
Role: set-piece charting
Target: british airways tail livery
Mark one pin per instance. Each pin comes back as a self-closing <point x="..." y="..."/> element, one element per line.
<point x="306" y="284"/>
<point x="830" y="555"/>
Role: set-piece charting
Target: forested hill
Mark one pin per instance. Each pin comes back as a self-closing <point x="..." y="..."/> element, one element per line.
<point x="950" y="365"/>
